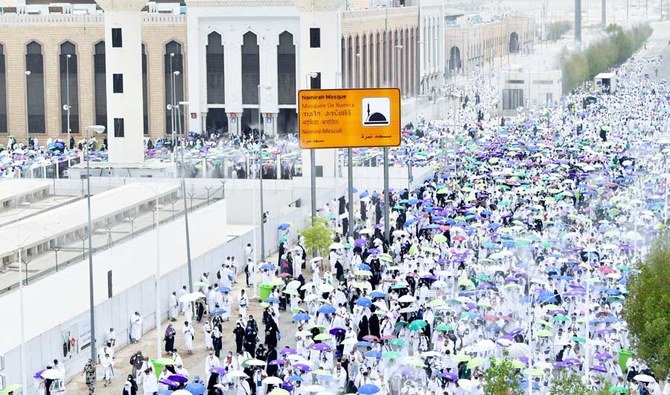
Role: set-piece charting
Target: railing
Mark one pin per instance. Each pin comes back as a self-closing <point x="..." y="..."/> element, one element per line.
<point x="55" y="18"/>
<point x="211" y="195"/>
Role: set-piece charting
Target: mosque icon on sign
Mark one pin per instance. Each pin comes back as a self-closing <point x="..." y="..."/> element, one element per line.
<point x="376" y="111"/>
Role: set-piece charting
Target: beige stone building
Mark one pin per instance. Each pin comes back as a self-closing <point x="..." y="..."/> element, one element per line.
<point x="41" y="44"/>
<point x="52" y="56"/>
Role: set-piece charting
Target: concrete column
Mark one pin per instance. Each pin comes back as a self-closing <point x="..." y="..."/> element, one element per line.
<point x="52" y="104"/>
<point x="346" y="77"/>
<point x="125" y="60"/>
<point x="234" y="123"/>
<point x="197" y="88"/>
<point x="233" y="76"/>
<point x="15" y="77"/>
<point x="85" y="73"/>
<point x="268" y="99"/>
<point x="374" y="61"/>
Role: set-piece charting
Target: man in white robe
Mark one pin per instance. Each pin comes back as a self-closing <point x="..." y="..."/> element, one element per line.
<point x="136" y="321"/>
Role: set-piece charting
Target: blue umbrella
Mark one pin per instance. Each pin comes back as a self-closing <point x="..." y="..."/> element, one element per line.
<point x="295" y="378"/>
<point x="373" y="354"/>
<point x="363" y="343"/>
<point x="283" y="226"/>
<point x="267" y="266"/>
<point x="217" y="311"/>
<point x="363" y="266"/>
<point x="300" y="316"/>
<point x="223" y="288"/>
<point x="377" y="294"/>
<point x="368" y="389"/>
<point x="364" y="302"/>
<point x="196" y="388"/>
<point x="326" y="309"/>
<point x="272" y="299"/>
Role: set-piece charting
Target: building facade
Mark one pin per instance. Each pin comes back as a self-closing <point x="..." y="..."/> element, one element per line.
<point x="233" y="64"/>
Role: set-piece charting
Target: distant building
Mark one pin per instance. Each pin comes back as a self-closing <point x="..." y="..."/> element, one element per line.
<point x="236" y="62"/>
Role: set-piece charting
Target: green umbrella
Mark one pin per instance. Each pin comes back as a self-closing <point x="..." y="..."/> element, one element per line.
<point x="436" y="303"/>
<point x="397" y="342"/>
<point x="475" y="362"/>
<point x="561" y="318"/>
<point x="532" y="372"/>
<point x="619" y="390"/>
<point x="159" y="364"/>
<point x="392" y="354"/>
<point x="544" y="333"/>
<point x="440" y="238"/>
<point x="10" y="388"/>
<point x="417" y="325"/>
<point x="579" y="339"/>
<point x="398" y="286"/>
<point x="444" y="328"/>
<point x="461" y="358"/>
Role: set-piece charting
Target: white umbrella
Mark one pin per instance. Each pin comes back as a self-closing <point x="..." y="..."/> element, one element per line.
<point x="518" y="350"/>
<point x="316" y="259"/>
<point x="191" y="297"/>
<point x="254" y="362"/>
<point x="272" y="380"/>
<point x="295" y="284"/>
<point x="643" y="378"/>
<point x="364" y="232"/>
<point x="466" y="385"/>
<point x="350" y="341"/>
<point x="335" y="246"/>
<point x="237" y="373"/>
<point x="52" y="374"/>
<point x="182" y="392"/>
<point x="407" y="299"/>
<point x="399" y="233"/>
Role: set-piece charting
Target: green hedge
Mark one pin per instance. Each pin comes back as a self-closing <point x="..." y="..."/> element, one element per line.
<point x="556" y="30"/>
<point x="616" y="48"/>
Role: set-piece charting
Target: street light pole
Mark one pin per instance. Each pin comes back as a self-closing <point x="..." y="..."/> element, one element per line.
<point x="67" y="90"/>
<point x="173" y="103"/>
<point x="97" y="129"/>
<point x="27" y="116"/>
<point x="188" y="237"/>
<point x="22" y="325"/>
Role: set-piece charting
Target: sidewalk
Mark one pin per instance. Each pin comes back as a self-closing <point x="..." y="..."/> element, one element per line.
<point x="195" y="363"/>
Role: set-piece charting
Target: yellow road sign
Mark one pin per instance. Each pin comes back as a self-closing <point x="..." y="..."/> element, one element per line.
<point x="349" y="118"/>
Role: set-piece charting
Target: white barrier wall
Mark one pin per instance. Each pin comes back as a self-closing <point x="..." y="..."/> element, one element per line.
<point x="49" y="303"/>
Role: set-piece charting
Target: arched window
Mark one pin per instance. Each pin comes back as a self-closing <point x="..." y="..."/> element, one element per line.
<point x="287" y="117"/>
<point x="35" y="88"/>
<point x="69" y="88"/>
<point x="3" y="92"/>
<point x="215" y="70"/>
<point x="100" y="84"/>
<point x="286" y="68"/>
<point x="250" y="69"/>
<point x="174" y="86"/>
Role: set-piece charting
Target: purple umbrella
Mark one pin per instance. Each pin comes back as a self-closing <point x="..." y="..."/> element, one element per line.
<point x="218" y="370"/>
<point x="178" y="378"/>
<point x="168" y="382"/>
<point x="38" y="374"/>
<point x="450" y="376"/>
<point x="287" y="351"/>
<point x="302" y="367"/>
<point x="321" y="347"/>
<point x="572" y="361"/>
<point x="598" y="368"/>
<point x="277" y="362"/>
<point x="337" y="331"/>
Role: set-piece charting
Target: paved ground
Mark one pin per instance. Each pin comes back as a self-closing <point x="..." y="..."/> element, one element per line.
<point x="195" y="363"/>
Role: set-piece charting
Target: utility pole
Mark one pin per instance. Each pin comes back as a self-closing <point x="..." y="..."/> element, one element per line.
<point x="578" y="21"/>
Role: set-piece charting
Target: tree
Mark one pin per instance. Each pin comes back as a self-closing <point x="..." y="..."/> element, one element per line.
<point x="647" y="308"/>
<point x="555" y="30"/>
<point x="318" y="236"/>
<point x="500" y="378"/>
<point x="568" y="382"/>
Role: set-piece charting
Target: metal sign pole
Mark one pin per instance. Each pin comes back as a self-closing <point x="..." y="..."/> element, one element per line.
<point x="350" y="191"/>
<point x="312" y="178"/>
<point x="386" y="195"/>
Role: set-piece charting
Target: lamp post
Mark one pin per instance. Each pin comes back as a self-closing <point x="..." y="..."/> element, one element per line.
<point x="98" y="129"/>
<point x="173" y="103"/>
<point x="257" y="151"/>
<point x="159" y="338"/>
<point x="67" y="106"/>
<point x="312" y="157"/>
<point x="399" y="68"/>
<point x="27" y="116"/>
<point x="183" y="189"/>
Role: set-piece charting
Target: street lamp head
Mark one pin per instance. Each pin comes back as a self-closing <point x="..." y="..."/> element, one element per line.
<point x="183" y="103"/>
<point x="69" y="56"/>
<point x="97" y="129"/>
<point x="176" y="72"/>
<point x="28" y="72"/>
<point x="313" y="74"/>
<point x="169" y="106"/>
<point x="172" y="54"/>
<point x="65" y="107"/>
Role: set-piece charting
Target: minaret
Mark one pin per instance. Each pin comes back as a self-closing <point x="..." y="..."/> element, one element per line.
<point x="123" y="62"/>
